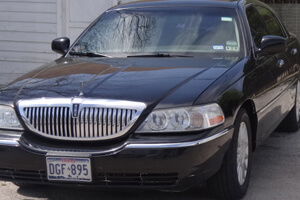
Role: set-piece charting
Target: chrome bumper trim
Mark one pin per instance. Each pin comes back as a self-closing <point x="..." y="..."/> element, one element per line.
<point x="15" y="142"/>
<point x="177" y="145"/>
<point x="10" y="139"/>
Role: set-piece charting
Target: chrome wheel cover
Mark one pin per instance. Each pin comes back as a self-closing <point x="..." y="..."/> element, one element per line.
<point x="298" y="101"/>
<point x="242" y="153"/>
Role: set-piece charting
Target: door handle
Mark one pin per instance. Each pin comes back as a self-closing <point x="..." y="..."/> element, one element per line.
<point x="294" y="51"/>
<point x="280" y="63"/>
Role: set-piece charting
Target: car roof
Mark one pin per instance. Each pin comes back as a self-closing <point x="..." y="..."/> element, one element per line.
<point x="166" y="3"/>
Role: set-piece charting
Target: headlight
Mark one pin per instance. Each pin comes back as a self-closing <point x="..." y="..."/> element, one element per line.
<point x="183" y="119"/>
<point x="8" y="118"/>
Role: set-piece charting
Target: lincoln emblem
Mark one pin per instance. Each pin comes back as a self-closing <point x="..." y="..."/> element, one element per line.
<point x="75" y="110"/>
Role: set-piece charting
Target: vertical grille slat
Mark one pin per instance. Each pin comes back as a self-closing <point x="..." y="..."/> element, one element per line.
<point x="119" y="120"/>
<point x="68" y="122"/>
<point x="40" y="118"/>
<point x="81" y="121"/>
<point x="74" y="130"/>
<point x="34" y="117"/>
<point x="44" y="119"/>
<point x="64" y="122"/>
<point x="93" y="126"/>
<point x="78" y="127"/>
<point x="92" y="122"/>
<point x="30" y="115"/>
<point x="52" y="117"/>
<point x="104" y="122"/>
<point x="95" y="120"/>
<point x="60" y="127"/>
<point x="114" y="121"/>
<point x="100" y="122"/>
<point x="47" y="124"/>
<point x="71" y="134"/>
<point x="109" y="122"/>
<point x="57" y="122"/>
<point x="49" y="121"/>
<point x="86" y="124"/>
<point x="128" y="117"/>
<point x="36" y="121"/>
<point x="123" y="118"/>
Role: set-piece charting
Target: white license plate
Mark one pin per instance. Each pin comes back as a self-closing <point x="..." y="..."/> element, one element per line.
<point x="69" y="169"/>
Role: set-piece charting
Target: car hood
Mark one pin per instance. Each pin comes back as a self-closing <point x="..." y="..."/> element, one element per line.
<point x="149" y="80"/>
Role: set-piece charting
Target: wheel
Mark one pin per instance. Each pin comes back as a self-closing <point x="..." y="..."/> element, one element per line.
<point x="291" y="123"/>
<point x="232" y="180"/>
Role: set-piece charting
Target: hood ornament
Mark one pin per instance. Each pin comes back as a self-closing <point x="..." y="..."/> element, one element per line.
<point x="81" y="94"/>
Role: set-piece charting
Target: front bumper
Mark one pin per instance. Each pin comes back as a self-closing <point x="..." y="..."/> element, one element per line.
<point x="171" y="165"/>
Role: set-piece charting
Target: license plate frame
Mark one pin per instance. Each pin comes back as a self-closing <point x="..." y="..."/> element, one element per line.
<point x="69" y="169"/>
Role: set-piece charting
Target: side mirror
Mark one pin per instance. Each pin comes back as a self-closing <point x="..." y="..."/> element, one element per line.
<point x="271" y="44"/>
<point x="61" y="45"/>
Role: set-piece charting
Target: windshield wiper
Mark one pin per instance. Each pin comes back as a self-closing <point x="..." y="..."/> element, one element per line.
<point x="158" y="55"/>
<point x="89" y="54"/>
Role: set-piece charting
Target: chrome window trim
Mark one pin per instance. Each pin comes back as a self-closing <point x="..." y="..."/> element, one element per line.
<point x="83" y="103"/>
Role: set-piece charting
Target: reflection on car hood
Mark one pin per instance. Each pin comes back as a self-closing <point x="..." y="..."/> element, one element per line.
<point x="146" y="80"/>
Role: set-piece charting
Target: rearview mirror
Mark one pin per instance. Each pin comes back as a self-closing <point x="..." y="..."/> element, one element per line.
<point x="61" y="45"/>
<point x="271" y="44"/>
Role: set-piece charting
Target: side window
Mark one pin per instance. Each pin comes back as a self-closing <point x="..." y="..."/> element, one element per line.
<point x="270" y="21"/>
<point x="257" y="26"/>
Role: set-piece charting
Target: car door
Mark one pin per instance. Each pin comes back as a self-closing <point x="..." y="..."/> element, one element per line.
<point x="270" y="77"/>
<point x="275" y="27"/>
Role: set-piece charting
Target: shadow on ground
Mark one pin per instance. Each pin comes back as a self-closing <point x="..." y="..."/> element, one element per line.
<point x="63" y="193"/>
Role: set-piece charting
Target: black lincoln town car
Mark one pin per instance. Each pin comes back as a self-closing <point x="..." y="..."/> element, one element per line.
<point x="164" y="94"/>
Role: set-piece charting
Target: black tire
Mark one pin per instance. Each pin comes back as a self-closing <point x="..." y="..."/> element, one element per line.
<point x="291" y="123"/>
<point x="225" y="184"/>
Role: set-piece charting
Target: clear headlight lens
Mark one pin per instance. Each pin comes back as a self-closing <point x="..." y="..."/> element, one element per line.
<point x="8" y="118"/>
<point x="183" y="119"/>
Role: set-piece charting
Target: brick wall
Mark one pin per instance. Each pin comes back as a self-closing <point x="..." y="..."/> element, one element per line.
<point x="289" y="12"/>
<point x="281" y="1"/>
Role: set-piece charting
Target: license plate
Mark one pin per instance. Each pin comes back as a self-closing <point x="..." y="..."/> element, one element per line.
<point x="69" y="169"/>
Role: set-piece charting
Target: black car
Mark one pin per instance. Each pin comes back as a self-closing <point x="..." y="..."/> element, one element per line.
<point x="163" y="94"/>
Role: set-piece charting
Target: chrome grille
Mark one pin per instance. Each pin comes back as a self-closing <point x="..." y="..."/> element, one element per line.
<point x="96" y="119"/>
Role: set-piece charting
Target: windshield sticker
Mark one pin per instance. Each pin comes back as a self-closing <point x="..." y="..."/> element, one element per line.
<point x="232" y="48"/>
<point x="218" y="47"/>
<point x="180" y="26"/>
<point x="226" y="19"/>
<point x="231" y="43"/>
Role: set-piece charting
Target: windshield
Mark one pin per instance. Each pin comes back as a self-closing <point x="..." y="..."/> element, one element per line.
<point x="175" y="30"/>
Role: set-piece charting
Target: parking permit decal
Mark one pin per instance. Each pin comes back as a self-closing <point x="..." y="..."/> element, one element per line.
<point x="232" y="48"/>
<point x="218" y="47"/>
<point x="226" y="19"/>
<point x="231" y="43"/>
